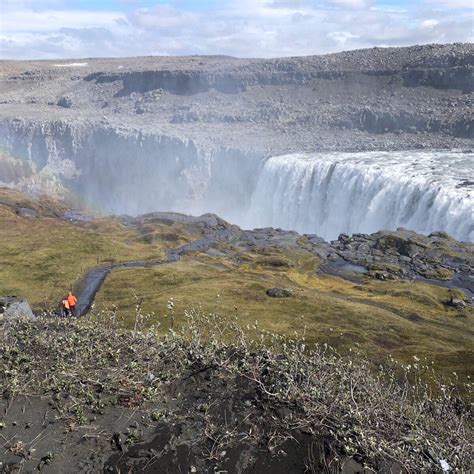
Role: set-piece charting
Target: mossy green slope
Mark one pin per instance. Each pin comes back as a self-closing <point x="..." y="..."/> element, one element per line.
<point x="404" y="319"/>
<point x="42" y="256"/>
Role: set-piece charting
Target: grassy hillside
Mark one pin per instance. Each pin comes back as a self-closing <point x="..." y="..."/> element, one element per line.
<point x="43" y="253"/>
<point x="404" y="319"/>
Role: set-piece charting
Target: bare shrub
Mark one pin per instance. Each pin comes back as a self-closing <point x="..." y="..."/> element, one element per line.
<point x="399" y="415"/>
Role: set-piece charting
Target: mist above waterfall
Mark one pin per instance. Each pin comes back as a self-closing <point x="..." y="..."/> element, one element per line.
<point x="326" y="194"/>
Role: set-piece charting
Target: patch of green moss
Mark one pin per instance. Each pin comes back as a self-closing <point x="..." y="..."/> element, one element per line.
<point x="438" y="273"/>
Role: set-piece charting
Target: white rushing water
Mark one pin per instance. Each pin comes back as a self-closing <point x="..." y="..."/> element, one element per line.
<point x="329" y="194"/>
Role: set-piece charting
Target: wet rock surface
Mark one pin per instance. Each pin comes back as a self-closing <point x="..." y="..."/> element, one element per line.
<point x="406" y="254"/>
<point x="384" y="255"/>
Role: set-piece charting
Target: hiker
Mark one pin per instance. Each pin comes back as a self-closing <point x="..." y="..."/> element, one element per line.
<point x="65" y="304"/>
<point x="72" y="300"/>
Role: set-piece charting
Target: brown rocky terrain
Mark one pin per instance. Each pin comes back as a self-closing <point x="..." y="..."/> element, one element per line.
<point x="382" y="98"/>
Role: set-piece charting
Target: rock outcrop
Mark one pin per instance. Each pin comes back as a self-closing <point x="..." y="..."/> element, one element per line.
<point x="384" y="255"/>
<point x="279" y="292"/>
<point x="14" y="307"/>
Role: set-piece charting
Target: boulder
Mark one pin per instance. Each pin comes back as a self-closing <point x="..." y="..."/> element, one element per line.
<point x="344" y="238"/>
<point x="465" y="183"/>
<point x="279" y="292"/>
<point x="65" y="102"/>
<point x="441" y="234"/>
<point x="14" y="307"/>
<point x="456" y="303"/>
<point x="27" y="212"/>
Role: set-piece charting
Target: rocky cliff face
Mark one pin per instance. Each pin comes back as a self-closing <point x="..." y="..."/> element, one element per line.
<point x="128" y="171"/>
<point x="169" y="129"/>
<point x="336" y="101"/>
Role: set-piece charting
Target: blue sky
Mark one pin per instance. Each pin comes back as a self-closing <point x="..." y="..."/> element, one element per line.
<point x="57" y="29"/>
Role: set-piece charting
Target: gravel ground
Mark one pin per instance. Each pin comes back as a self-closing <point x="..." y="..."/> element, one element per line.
<point x="380" y="98"/>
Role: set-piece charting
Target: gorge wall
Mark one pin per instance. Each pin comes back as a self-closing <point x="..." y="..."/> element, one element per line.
<point x="131" y="173"/>
<point x="203" y="134"/>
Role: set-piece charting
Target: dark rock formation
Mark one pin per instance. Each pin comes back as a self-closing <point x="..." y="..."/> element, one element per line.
<point x="65" y="102"/>
<point x="456" y="303"/>
<point x="384" y="255"/>
<point x="27" y="212"/>
<point x="279" y="292"/>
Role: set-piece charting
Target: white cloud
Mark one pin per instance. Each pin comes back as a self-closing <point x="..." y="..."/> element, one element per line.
<point x="341" y="37"/>
<point x="36" y="4"/>
<point x="50" y="20"/>
<point x="162" y="17"/>
<point x="451" y="3"/>
<point x="352" y="3"/>
<point x="429" y="23"/>
<point x="252" y="28"/>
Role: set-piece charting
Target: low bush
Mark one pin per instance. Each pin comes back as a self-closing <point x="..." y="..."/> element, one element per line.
<point x="390" y="416"/>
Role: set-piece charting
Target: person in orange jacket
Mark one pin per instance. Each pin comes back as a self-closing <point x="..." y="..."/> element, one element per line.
<point x="65" y="303"/>
<point x="72" y="300"/>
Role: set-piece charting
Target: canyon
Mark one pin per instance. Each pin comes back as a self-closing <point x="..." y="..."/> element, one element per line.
<point x="273" y="259"/>
<point x="204" y="134"/>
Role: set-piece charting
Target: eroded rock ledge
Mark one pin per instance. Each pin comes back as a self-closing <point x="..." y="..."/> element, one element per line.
<point x="374" y="99"/>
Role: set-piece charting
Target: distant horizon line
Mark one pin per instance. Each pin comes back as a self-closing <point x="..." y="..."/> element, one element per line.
<point x="94" y="58"/>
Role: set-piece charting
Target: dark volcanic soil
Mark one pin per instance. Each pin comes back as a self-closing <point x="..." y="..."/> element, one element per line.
<point x="82" y="396"/>
<point x="198" y="420"/>
<point x="146" y="439"/>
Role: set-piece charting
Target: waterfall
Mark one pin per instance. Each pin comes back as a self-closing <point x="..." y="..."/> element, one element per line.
<point x="331" y="193"/>
<point x="121" y="171"/>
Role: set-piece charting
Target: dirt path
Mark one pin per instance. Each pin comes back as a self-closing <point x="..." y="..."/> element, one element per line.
<point x="89" y="285"/>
